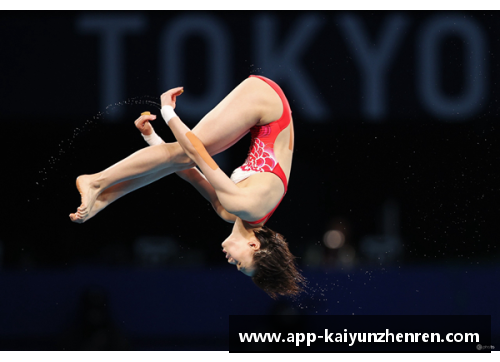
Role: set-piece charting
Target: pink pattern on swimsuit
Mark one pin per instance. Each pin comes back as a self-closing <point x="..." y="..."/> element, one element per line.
<point x="261" y="156"/>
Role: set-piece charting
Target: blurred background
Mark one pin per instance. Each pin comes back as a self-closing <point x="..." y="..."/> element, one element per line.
<point x="393" y="200"/>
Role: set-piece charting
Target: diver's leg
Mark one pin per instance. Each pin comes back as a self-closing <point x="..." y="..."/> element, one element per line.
<point x="249" y="103"/>
<point x="155" y="160"/>
<point x="113" y="193"/>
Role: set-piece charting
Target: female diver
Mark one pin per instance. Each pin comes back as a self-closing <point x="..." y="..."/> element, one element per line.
<point x="247" y="199"/>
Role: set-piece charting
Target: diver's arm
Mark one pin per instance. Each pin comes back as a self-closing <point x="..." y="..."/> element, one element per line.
<point x="232" y="198"/>
<point x="200" y="183"/>
<point x="235" y="200"/>
<point x="143" y="124"/>
<point x="241" y="202"/>
<point x="191" y="175"/>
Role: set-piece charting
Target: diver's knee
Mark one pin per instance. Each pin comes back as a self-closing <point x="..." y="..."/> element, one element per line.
<point x="178" y="156"/>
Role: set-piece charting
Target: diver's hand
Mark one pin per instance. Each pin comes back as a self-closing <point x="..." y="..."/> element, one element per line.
<point x="143" y="125"/>
<point x="169" y="97"/>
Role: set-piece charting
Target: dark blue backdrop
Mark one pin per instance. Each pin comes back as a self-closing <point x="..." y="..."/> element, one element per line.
<point x="397" y="147"/>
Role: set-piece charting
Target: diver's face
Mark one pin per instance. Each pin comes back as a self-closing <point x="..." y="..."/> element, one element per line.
<point x="239" y="251"/>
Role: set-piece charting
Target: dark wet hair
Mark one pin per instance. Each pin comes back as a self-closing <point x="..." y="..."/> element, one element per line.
<point x="275" y="270"/>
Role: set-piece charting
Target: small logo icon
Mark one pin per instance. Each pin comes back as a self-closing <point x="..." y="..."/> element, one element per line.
<point x="479" y="347"/>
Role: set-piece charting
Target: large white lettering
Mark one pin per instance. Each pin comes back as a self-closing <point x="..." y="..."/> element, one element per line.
<point x="111" y="29"/>
<point x="373" y="60"/>
<point x="172" y="61"/>
<point x="279" y="61"/>
<point x="433" y="33"/>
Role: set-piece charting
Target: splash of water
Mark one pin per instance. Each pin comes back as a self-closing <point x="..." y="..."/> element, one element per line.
<point x="67" y="145"/>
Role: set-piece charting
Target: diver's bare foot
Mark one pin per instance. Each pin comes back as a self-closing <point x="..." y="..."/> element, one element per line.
<point x="98" y="206"/>
<point x="89" y="192"/>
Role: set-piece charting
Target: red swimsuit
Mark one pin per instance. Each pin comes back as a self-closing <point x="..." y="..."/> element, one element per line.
<point x="261" y="156"/>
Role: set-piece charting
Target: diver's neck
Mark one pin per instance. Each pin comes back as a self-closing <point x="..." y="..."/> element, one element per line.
<point x="244" y="228"/>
